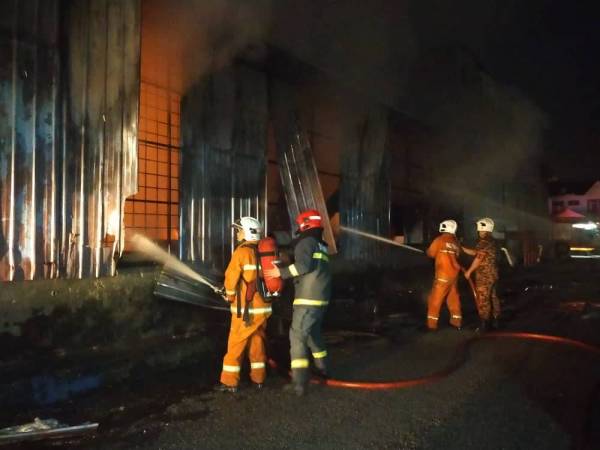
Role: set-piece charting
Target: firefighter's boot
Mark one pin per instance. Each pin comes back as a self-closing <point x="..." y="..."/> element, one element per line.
<point x="221" y="387"/>
<point x="297" y="389"/>
<point x="484" y="326"/>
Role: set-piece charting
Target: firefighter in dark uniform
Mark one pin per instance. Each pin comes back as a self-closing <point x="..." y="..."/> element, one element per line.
<point x="312" y="286"/>
<point x="485" y="267"/>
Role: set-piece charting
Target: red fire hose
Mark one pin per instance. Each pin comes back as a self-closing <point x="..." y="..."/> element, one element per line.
<point x="458" y="359"/>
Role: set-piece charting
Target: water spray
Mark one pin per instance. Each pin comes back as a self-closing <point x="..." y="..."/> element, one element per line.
<point x="151" y="250"/>
<point x="381" y="239"/>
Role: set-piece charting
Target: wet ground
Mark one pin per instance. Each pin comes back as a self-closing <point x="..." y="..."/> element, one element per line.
<point x="509" y="394"/>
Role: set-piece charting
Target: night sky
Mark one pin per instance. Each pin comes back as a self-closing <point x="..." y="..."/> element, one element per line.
<point x="550" y="50"/>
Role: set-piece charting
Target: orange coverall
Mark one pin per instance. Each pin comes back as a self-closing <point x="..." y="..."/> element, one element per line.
<point x="240" y="275"/>
<point x="445" y="249"/>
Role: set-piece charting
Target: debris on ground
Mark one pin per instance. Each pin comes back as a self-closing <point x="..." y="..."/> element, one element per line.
<point x="42" y="429"/>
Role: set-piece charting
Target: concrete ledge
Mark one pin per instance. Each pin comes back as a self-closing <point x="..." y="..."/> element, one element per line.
<point x="69" y="336"/>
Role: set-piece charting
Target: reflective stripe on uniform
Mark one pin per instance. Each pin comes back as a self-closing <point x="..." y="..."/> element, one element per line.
<point x="257" y="365"/>
<point x="233" y="369"/>
<point x="293" y="270"/>
<point x="432" y="317"/>
<point x="318" y="355"/>
<point x="314" y="217"/>
<point x="249" y="267"/>
<point x="309" y="302"/>
<point x="299" y="363"/>
<point x="448" y="251"/>
<point x="230" y="292"/>
<point x="442" y="280"/>
<point x="456" y="316"/>
<point x="265" y="310"/>
<point x="319" y="255"/>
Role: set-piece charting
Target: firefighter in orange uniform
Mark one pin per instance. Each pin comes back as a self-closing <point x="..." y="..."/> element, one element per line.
<point x="445" y="250"/>
<point x="249" y="311"/>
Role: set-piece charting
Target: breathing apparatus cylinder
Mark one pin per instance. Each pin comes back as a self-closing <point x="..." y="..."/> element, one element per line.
<point x="268" y="254"/>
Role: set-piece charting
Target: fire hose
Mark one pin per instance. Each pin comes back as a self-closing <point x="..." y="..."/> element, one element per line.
<point x="458" y="359"/>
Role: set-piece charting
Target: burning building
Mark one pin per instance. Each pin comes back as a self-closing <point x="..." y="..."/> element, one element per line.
<point x="171" y="119"/>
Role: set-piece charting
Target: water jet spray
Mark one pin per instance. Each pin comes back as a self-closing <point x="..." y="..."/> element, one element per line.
<point x="151" y="250"/>
<point x="381" y="239"/>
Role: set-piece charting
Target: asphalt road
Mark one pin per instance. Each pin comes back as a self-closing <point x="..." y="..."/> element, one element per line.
<point x="508" y="394"/>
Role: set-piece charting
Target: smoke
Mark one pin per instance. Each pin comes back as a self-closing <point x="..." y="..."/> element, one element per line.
<point x="194" y="37"/>
<point x="490" y="132"/>
<point x="366" y="46"/>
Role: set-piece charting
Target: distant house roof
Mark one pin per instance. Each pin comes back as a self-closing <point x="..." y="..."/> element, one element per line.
<point x="568" y="214"/>
<point x="569" y="187"/>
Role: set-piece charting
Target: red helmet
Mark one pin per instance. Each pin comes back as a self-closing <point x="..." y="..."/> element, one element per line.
<point x="311" y="218"/>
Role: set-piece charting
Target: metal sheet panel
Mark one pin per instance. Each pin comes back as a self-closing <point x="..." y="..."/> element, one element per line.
<point x="297" y="168"/>
<point x="68" y="131"/>
<point x="365" y="186"/>
<point x="102" y="111"/>
<point x="224" y="121"/>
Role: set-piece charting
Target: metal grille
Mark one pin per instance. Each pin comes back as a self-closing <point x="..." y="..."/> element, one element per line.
<point x="154" y="209"/>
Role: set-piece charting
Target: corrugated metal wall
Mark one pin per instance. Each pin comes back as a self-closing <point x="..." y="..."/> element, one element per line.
<point x="365" y="189"/>
<point x="224" y="126"/>
<point x="29" y="111"/>
<point x="69" y="82"/>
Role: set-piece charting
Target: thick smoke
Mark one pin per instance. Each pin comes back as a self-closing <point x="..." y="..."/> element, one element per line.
<point x="487" y="141"/>
<point x="193" y="37"/>
<point x="488" y="132"/>
<point x="366" y="46"/>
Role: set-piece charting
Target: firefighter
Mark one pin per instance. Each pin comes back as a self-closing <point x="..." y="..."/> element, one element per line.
<point x="485" y="267"/>
<point x="312" y="283"/>
<point x="249" y="311"/>
<point x="445" y="250"/>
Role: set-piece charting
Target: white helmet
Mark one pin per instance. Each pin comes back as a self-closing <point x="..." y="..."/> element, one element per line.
<point x="448" y="226"/>
<point x="251" y="227"/>
<point x="485" y="224"/>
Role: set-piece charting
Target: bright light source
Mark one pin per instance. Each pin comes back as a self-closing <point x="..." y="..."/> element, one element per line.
<point x="585" y="226"/>
<point x="582" y="249"/>
<point x="113" y="223"/>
